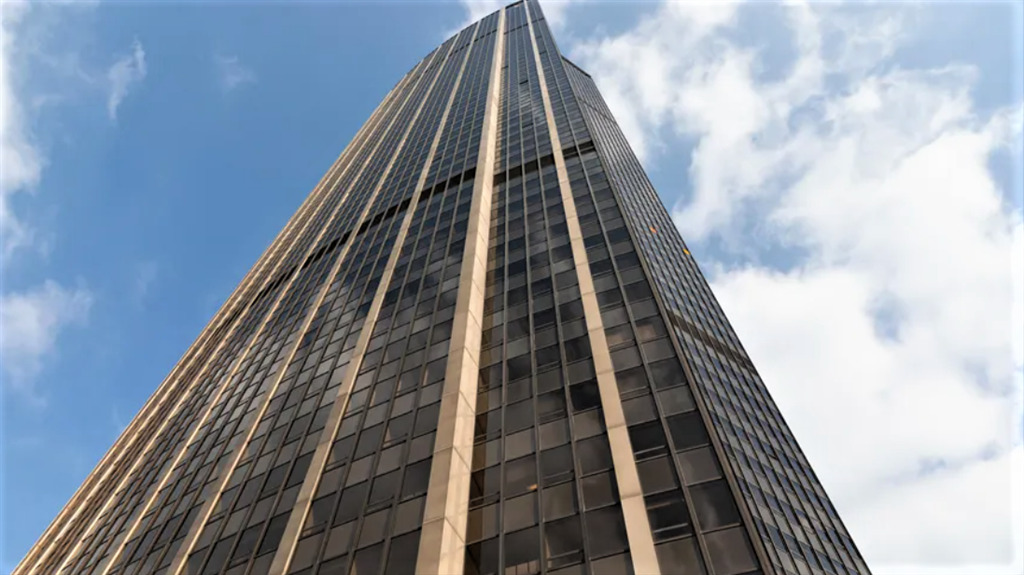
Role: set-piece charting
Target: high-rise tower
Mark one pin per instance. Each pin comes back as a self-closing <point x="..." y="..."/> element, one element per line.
<point x="480" y="346"/>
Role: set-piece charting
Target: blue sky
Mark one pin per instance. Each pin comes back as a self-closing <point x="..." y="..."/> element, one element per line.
<point x="849" y="177"/>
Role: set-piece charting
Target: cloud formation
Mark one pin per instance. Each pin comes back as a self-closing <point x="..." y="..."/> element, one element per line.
<point x="31" y="318"/>
<point x="231" y="73"/>
<point x="887" y="339"/>
<point x="21" y="163"/>
<point x="30" y="322"/>
<point x="125" y="73"/>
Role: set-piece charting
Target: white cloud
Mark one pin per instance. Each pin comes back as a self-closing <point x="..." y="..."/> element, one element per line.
<point x="20" y="161"/>
<point x="888" y="343"/>
<point x="31" y="319"/>
<point x="231" y="73"/>
<point x="125" y="73"/>
<point x="30" y="323"/>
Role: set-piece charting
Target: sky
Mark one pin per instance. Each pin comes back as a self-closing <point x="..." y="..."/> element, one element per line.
<point x="848" y="175"/>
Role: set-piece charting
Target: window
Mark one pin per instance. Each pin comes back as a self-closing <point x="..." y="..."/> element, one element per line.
<point x="676" y="400"/>
<point x="556" y="464"/>
<point x="421" y="447"/>
<point x="620" y="564"/>
<point x="551" y="405"/>
<point x="519" y="444"/>
<point x="559" y="501"/>
<point x="520" y="475"/>
<point x="482" y="558"/>
<point x="713" y="505"/>
<point x="563" y="542"/>
<point x="585" y="396"/>
<point x="390" y="459"/>
<point x="650" y="328"/>
<point x="482" y="523"/>
<point x="606" y="531"/>
<point x="519" y="416"/>
<point x="729" y="551"/>
<point x="486" y="454"/>
<point x="631" y="380"/>
<point x="639" y="410"/>
<point x="426" y="418"/>
<point x="680" y="556"/>
<point x="594" y="455"/>
<point x="619" y="335"/>
<point x="402" y="554"/>
<point x="687" y="431"/>
<point x="374" y="527"/>
<point x="657" y="475"/>
<point x="648" y="440"/>
<point x="588" y="424"/>
<point x="667" y="373"/>
<point x="409" y="515"/>
<point x="599" y="490"/>
<point x="522" y="552"/>
<point x="520" y="512"/>
<point x="485" y="483"/>
<point x="668" y="516"/>
<point x="699" y="465"/>
<point x="338" y="540"/>
<point x="417" y="477"/>
<point x="306" y="551"/>
<point x="320" y="511"/>
<point x="366" y="560"/>
<point x="351" y="503"/>
<point x="626" y="358"/>
<point x="384" y="488"/>
<point x="275" y="529"/>
<point x="554" y="433"/>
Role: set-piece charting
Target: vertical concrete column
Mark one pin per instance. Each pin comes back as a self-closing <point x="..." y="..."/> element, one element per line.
<point x="442" y="540"/>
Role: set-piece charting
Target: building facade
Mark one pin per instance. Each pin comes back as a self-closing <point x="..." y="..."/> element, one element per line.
<point x="480" y="346"/>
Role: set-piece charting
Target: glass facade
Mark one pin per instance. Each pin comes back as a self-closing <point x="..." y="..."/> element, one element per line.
<point x="480" y="346"/>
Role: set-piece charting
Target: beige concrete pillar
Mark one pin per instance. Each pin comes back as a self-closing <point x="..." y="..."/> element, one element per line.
<point x="442" y="540"/>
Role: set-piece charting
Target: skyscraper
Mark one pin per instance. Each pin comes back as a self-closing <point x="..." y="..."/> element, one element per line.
<point x="480" y="346"/>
